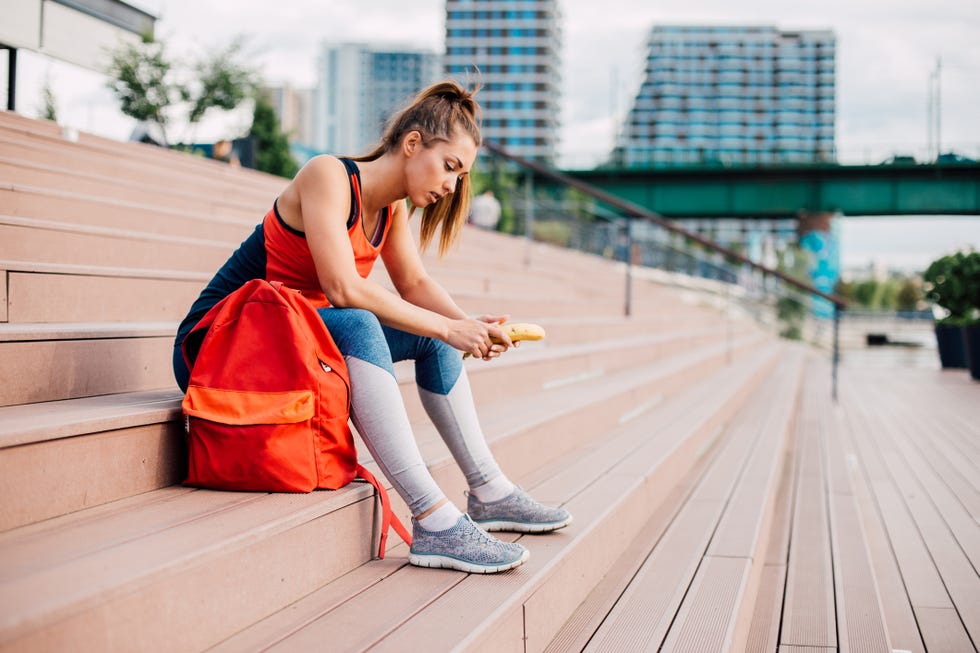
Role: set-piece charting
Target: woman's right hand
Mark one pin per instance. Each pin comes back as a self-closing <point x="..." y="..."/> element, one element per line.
<point x="474" y="337"/>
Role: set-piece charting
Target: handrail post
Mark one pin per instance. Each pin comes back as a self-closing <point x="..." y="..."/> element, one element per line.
<point x="528" y="214"/>
<point x="836" y="361"/>
<point x="627" y="308"/>
<point x="728" y="323"/>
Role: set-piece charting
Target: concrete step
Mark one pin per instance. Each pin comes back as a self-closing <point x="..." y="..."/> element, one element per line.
<point x="55" y="434"/>
<point x="122" y="284"/>
<point x="157" y="164"/>
<point x="76" y="180"/>
<point x="78" y="359"/>
<point x="82" y="360"/>
<point x="100" y="211"/>
<point x="204" y="537"/>
<point x="135" y="156"/>
<point x="64" y="456"/>
<point x="34" y="240"/>
<point x="546" y="365"/>
<point x="697" y="584"/>
<point x="68" y="293"/>
<point x="607" y="483"/>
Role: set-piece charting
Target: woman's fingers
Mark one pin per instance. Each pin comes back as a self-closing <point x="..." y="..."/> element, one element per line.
<point x="499" y="334"/>
<point x="494" y="319"/>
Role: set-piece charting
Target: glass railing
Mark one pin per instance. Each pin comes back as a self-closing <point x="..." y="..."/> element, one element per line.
<point x="650" y="247"/>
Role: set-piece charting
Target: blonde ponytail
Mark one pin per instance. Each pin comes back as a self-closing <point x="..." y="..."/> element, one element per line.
<point x="436" y="113"/>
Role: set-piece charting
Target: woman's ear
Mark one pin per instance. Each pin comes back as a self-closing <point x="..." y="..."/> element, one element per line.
<point x="412" y="142"/>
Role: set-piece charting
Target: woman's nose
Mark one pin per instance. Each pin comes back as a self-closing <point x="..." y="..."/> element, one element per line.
<point x="450" y="184"/>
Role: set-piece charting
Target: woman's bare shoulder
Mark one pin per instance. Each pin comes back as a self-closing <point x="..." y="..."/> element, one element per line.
<point x="320" y="184"/>
<point x="322" y="166"/>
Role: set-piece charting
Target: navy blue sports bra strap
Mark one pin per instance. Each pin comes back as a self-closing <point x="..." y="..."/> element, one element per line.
<point x="355" y="208"/>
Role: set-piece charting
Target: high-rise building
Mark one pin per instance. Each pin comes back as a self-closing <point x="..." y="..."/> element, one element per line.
<point x="294" y="106"/>
<point x="512" y="48"/>
<point x="360" y="86"/>
<point x="732" y="95"/>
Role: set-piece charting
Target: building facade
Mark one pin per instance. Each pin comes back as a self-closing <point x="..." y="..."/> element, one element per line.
<point x="734" y="96"/>
<point x="359" y="87"/>
<point x="513" y="48"/>
<point x="294" y="106"/>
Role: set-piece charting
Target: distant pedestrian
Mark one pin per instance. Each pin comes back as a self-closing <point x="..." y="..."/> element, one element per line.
<point x="223" y="151"/>
<point x="485" y="210"/>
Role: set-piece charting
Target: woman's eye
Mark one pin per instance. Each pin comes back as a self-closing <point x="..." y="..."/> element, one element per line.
<point x="449" y="167"/>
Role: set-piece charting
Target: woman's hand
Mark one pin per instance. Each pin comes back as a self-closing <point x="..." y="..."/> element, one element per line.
<point x="473" y="336"/>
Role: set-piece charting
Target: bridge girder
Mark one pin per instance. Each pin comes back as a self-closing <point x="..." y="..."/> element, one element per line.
<point x="784" y="191"/>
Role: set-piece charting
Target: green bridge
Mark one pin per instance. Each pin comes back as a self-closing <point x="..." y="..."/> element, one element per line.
<point x="783" y="191"/>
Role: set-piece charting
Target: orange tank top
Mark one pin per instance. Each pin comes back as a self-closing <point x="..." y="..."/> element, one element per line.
<point x="288" y="257"/>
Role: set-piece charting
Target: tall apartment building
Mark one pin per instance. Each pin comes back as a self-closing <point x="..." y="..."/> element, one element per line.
<point x="734" y="95"/>
<point x="360" y="86"/>
<point x="512" y="47"/>
<point x="294" y="106"/>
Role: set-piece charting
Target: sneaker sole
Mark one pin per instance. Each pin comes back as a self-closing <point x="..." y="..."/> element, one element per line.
<point x="447" y="562"/>
<point x="523" y="527"/>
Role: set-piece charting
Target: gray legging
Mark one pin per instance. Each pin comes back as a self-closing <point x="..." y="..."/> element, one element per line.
<point x="379" y="414"/>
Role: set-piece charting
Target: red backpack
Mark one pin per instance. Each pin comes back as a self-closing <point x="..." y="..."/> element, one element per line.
<point x="268" y="401"/>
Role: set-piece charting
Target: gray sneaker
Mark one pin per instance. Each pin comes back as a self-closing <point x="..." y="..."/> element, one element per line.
<point x="518" y="512"/>
<point x="465" y="547"/>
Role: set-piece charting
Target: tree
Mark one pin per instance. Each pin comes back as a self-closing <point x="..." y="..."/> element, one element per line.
<point x="865" y="293"/>
<point x="909" y="295"/>
<point x="147" y="82"/>
<point x="271" y="144"/>
<point x="221" y="83"/>
<point x="140" y="76"/>
<point x="50" y="108"/>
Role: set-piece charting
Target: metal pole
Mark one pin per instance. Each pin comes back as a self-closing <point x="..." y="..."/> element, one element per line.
<point x="939" y="108"/>
<point x="627" y="309"/>
<point x="528" y="214"/>
<point x="833" y="390"/>
<point x="12" y="79"/>
<point x="728" y="323"/>
<point x="929" y="107"/>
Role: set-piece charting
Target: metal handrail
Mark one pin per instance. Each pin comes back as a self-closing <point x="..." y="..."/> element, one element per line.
<point x="636" y="211"/>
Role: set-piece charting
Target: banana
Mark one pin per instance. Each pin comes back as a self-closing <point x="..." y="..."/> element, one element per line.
<point x="523" y="331"/>
<point x="518" y="331"/>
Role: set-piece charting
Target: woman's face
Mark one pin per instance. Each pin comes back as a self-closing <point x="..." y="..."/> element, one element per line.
<point x="432" y="172"/>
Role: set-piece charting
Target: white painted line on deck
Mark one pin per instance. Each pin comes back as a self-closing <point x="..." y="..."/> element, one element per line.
<point x="630" y="415"/>
<point x="574" y="378"/>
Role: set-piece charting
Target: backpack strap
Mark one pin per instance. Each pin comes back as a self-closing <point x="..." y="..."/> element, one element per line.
<point x="388" y="518"/>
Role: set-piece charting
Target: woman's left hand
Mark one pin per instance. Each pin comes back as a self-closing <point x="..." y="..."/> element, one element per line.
<point x="496" y="349"/>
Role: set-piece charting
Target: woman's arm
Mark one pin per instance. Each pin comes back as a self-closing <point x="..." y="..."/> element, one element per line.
<point x="323" y="190"/>
<point x="407" y="272"/>
<point x="413" y="283"/>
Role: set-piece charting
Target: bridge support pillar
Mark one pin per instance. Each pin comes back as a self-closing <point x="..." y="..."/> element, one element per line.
<point x="819" y="238"/>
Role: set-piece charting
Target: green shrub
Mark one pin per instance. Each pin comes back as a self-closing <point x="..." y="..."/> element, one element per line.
<point x="953" y="283"/>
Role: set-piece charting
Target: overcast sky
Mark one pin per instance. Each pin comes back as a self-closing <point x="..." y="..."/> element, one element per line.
<point x="886" y="50"/>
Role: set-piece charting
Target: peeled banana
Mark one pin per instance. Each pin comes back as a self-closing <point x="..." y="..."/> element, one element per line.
<point x="518" y="331"/>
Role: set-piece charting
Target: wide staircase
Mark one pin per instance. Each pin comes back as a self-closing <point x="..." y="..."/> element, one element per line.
<point x="673" y="436"/>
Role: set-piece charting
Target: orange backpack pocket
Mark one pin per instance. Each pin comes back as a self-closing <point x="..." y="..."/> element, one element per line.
<point x="251" y="440"/>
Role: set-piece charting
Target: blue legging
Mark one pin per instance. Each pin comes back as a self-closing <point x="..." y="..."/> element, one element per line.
<point x="358" y="333"/>
<point x="370" y="350"/>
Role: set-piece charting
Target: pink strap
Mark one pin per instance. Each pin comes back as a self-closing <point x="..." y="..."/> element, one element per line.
<point x="388" y="518"/>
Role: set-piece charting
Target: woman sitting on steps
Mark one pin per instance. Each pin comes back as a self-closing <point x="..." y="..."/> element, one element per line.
<point x="322" y="237"/>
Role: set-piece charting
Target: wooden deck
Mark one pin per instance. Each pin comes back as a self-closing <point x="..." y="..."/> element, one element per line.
<point x="722" y="500"/>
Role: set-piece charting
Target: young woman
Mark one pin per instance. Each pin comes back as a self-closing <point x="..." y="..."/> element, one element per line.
<point x="322" y="237"/>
